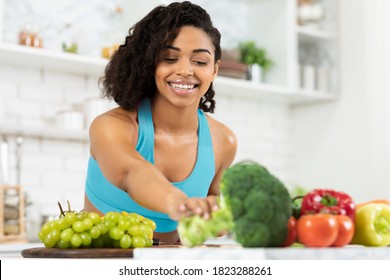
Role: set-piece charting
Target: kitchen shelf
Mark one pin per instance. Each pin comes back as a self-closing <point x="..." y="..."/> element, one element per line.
<point x="83" y="65"/>
<point x="44" y="133"/>
<point x="52" y="60"/>
<point x="247" y="89"/>
<point x="315" y="33"/>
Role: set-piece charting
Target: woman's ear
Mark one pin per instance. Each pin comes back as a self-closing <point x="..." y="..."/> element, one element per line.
<point x="216" y="67"/>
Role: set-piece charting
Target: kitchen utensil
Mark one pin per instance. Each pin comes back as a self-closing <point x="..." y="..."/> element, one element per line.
<point x="19" y="142"/>
<point x="4" y="161"/>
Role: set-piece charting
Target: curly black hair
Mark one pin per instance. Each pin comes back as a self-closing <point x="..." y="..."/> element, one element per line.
<point x="127" y="78"/>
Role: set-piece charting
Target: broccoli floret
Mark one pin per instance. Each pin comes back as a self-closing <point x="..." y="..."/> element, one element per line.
<point x="255" y="208"/>
<point x="260" y="205"/>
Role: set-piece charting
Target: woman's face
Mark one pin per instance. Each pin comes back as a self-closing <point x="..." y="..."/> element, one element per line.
<point x="187" y="67"/>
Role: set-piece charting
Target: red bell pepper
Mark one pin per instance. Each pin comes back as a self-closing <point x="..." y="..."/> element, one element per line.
<point x="328" y="201"/>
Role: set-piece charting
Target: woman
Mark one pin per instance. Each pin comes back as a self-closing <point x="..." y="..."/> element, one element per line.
<point x="158" y="154"/>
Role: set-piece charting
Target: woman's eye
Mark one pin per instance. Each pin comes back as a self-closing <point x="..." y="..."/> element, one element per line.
<point x="169" y="59"/>
<point x="201" y="63"/>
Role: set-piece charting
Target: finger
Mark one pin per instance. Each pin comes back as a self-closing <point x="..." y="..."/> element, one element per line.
<point x="213" y="202"/>
<point x="205" y="208"/>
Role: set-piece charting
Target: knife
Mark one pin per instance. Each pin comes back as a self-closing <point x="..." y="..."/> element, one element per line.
<point x="157" y="241"/>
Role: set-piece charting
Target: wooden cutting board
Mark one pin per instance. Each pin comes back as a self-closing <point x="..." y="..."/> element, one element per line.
<point x="42" y="252"/>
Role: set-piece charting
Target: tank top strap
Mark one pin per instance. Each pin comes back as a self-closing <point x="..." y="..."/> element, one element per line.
<point x="145" y="145"/>
<point x="204" y="131"/>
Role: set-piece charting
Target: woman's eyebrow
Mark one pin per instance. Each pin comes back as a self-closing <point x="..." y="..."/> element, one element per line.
<point x="194" y="51"/>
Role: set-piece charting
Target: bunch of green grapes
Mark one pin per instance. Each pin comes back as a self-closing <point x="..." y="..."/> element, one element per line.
<point x="89" y="230"/>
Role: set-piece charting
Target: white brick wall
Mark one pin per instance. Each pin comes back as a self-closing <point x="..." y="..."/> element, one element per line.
<point x="55" y="170"/>
<point x="262" y="129"/>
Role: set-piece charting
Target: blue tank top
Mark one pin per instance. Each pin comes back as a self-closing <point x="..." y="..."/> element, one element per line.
<point x="106" y="197"/>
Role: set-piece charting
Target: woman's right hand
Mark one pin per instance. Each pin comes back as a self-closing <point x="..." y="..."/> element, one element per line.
<point x="184" y="207"/>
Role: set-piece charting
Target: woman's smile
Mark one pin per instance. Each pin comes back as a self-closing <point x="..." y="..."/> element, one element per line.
<point x="182" y="88"/>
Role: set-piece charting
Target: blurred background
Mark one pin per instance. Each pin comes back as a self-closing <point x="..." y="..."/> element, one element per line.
<point x="304" y="84"/>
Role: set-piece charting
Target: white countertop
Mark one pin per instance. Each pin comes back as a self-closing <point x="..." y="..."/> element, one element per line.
<point x="13" y="250"/>
<point x="239" y="253"/>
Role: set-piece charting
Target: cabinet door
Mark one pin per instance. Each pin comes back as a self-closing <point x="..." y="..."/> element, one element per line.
<point x="317" y="64"/>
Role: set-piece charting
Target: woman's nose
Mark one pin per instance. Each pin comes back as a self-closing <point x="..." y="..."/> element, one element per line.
<point x="184" y="68"/>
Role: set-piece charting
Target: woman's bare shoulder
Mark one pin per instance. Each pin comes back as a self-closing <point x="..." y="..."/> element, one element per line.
<point x="114" y="117"/>
<point x="224" y="139"/>
<point x="114" y="123"/>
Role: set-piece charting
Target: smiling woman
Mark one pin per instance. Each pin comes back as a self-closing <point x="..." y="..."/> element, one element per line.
<point x="160" y="154"/>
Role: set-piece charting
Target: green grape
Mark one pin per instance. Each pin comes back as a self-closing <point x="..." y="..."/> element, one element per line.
<point x="70" y="218"/>
<point x="41" y="235"/>
<point x="148" y="242"/>
<point x="116" y="233"/>
<point x="76" y="241"/>
<point x="94" y="217"/>
<point x="62" y="224"/>
<point x="54" y="224"/>
<point x="86" y="239"/>
<point x="109" y="224"/>
<point x="67" y="234"/>
<point x="107" y="240"/>
<point x="150" y="223"/>
<point x="46" y="228"/>
<point x="116" y="243"/>
<point x="135" y="230"/>
<point x="87" y="223"/>
<point x="49" y="242"/>
<point x="112" y="216"/>
<point x="78" y="226"/>
<point x="97" y="243"/>
<point x="134" y="218"/>
<point x="94" y="232"/>
<point x="63" y="244"/>
<point x="52" y="238"/>
<point x="147" y="230"/>
<point x="81" y="215"/>
<point x="124" y="223"/>
<point x="103" y="228"/>
<point x="55" y="234"/>
<point x="138" y="242"/>
<point x="125" y="241"/>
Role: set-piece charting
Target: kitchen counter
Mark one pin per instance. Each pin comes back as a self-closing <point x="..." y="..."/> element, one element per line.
<point x="239" y="253"/>
<point x="13" y="250"/>
<point x="224" y="248"/>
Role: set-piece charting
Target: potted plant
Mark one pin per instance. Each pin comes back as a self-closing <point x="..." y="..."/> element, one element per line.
<point x="256" y="58"/>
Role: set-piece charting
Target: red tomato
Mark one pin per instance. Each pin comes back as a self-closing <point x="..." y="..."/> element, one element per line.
<point x="317" y="230"/>
<point x="291" y="233"/>
<point x="346" y="231"/>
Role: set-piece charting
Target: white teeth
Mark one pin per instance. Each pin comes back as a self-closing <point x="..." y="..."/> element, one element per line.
<point x="181" y="86"/>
